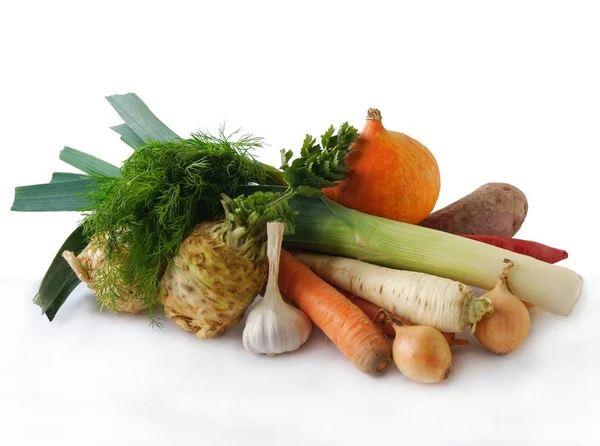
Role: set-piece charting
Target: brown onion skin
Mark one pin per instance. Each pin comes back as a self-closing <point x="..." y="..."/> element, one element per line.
<point x="504" y="329"/>
<point x="422" y="354"/>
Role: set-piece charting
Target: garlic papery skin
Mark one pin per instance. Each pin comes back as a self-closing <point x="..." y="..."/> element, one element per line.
<point x="273" y="326"/>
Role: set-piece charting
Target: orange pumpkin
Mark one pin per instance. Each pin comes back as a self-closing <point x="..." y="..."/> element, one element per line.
<point x="391" y="175"/>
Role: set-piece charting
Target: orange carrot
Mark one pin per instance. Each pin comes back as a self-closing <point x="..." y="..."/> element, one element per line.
<point x="373" y="312"/>
<point x="357" y="337"/>
<point x="385" y="323"/>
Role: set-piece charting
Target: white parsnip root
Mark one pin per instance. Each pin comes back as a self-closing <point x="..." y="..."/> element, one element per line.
<point x="423" y="299"/>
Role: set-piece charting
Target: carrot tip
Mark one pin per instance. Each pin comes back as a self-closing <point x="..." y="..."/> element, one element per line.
<point x="382" y="366"/>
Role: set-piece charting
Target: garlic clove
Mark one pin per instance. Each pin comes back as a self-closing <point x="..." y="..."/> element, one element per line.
<point x="273" y="326"/>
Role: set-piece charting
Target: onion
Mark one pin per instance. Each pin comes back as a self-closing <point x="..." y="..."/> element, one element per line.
<point x="422" y="353"/>
<point x="506" y="327"/>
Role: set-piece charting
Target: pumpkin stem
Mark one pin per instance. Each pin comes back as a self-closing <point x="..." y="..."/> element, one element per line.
<point x="374" y="114"/>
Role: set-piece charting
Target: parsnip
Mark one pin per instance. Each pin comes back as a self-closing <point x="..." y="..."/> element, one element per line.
<point x="445" y="304"/>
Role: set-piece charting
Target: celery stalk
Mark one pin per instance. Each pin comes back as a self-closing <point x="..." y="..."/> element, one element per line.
<point x="334" y="229"/>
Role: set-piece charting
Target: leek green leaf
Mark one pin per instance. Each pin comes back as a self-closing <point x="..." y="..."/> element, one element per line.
<point x="88" y="163"/>
<point x="128" y="136"/>
<point x="58" y="177"/>
<point x="54" y="196"/>
<point x="60" y="280"/>
<point x="140" y="119"/>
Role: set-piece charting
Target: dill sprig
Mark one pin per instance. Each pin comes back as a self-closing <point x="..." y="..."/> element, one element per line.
<point x="163" y="190"/>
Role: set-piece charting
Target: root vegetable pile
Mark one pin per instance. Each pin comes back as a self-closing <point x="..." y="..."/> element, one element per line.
<point x="192" y="229"/>
<point x="420" y="298"/>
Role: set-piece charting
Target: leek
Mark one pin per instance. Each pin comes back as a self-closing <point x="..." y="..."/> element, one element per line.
<point x="88" y="163"/>
<point x="128" y="136"/>
<point x="66" y="195"/>
<point x="60" y="280"/>
<point x="325" y="226"/>
<point x="140" y="120"/>
<point x="58" y="177"/>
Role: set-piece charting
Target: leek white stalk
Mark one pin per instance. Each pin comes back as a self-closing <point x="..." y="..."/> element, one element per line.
<point x="273" y="326"/>
<point x="330" y="228"/>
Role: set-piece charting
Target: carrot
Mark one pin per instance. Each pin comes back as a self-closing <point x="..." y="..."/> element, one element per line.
<point x="373" y="312"/>
<point x="357" y="337"/>
<point x="536" y="250"/>
<point x="386" y="324"/>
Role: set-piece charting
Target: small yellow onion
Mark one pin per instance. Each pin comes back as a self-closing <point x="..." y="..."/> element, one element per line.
<point x="422" y="353"/>
<point x="506" y="327"/>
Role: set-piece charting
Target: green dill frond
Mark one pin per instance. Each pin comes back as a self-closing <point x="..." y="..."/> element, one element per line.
<point x="165" y="188"/>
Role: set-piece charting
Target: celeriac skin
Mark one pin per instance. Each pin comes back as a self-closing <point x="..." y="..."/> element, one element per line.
<point x="209" y="285"/>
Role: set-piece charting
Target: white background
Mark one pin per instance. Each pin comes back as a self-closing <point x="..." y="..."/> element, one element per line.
<point x="499" y="91"/>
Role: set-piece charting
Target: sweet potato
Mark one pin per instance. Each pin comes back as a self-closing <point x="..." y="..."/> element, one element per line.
<point x="493" y="209"/>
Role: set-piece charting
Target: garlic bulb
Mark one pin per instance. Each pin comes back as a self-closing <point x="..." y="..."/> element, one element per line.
<point x="273" y="326"/>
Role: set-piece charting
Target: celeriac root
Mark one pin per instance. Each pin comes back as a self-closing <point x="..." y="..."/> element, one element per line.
<point x="209" y="285"/>
<point x="87" y="265"/>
